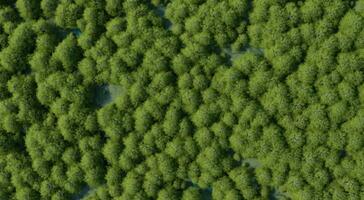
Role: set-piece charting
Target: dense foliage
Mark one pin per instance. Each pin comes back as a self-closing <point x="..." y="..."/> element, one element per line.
<point x="207" y="99"/>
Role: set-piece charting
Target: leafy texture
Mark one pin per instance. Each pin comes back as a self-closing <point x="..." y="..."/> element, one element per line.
<point x="182" y="99"/>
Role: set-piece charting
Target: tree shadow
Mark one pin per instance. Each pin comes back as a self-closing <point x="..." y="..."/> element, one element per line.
<point x="160" y="11"/>
<point x="252" y="162"/>
<point x="86" y="190"/>
<point x="235" y="54"/>
<point x="275" y="194"/>
<point x="105" y="94"/>
<point x="76" y="31"/>
<point x="206" y="193"/>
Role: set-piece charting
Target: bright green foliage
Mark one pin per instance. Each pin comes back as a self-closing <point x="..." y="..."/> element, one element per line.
<point x="67" y="14"/>
<point x="21" y="43"/>
<point x="183" y="99"/>
<point x="191" y="194"/>
<point x="28" y="9"/>
<point x="67" y="53"/>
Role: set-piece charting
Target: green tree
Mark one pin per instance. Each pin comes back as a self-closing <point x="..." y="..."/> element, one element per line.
<point x="103" y="48"/>
<point x="28" y="9"/>
<point x="67" y="14"/>
<point x="172" y="117"/>
<point x="132" y="184"/>
<point x="11" y="123"/>
<point x="71" y="156"/>
<point x="47" y="188"/>
<point x="191" y="194"/>
<point x="68" y="53"/>
<point x="49" y="7"/>
<point x="168" y="193"/>
<point x="27" y="193"/>
<point x="259" y="82"/>
<point x="276" y="100"/>
<point x="110" y="120"/>
<point x="347" y="36"/>
<point x="221" y="187"/>
<point x="137" y="93"/>
<point x="92" y="164"/>
<point x="180" y="64"/>
<point x="166" y="96"/>
<point x="311" y="10"/>
<point x="75" y="178"/>
<point x="115" y="25"/>
<point x="113" y="178"/>
<point x="143" y="120"/>
<point x="166" y="166"/>
<point x="152" y="183"/>
<point x="191" y="100"/>
<point x="21" y="43"/>
<point x="204" y="116"/>
<point x="346" y="91"/>
<point x="111" y="151"/>
<point x="160" y="81"/>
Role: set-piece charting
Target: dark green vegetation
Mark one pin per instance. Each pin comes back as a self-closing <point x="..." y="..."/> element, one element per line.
<point x="182" y="99"/>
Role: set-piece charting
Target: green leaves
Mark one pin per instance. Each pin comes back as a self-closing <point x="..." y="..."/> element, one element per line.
<point x="28" y="9"/>
<point x="311" y="10"/>
<point x="21" y="43"/>
<point x="114" y="7"/>
<point x="68" y="53"/>
<point x="66" y="14"/>
<point x="276" y="100"/>
<point x="92" y="165"/>
<point x="204" y="116"/>
<point x="241" y="178"/>
<point x="228" y="83"/>
<point x="49" y="7"/>
<point x="258" y="82"/>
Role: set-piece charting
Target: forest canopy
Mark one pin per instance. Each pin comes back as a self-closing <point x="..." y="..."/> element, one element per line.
<point x="182" y="99"/>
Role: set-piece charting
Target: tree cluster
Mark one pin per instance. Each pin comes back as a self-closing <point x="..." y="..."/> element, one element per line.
<point x="228" y="84"/>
